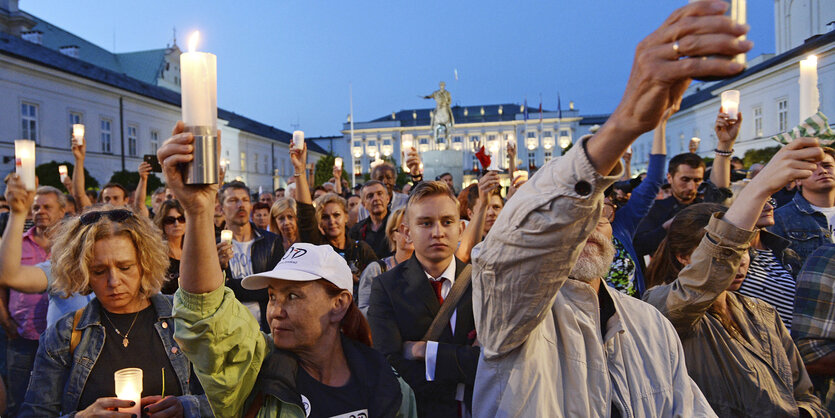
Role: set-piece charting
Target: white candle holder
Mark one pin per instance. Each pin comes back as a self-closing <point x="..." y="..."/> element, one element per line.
<point x="226" y="236"/>
<point x="730" y="103"/>
<point x="128" y="384"/>
<point x="198" y="74"/>
<point x="78" y="134"/>
<point x="62" y="172"/>
<point x="337" y="162"/>
<point x="24" y="153"/>
<point x="298" y="140"/>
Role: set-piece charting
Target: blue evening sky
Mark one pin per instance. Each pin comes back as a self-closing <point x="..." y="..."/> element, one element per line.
<point x="290" y="62"/>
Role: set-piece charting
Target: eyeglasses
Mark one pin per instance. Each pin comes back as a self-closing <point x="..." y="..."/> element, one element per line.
<point x="169" y="220"/>
<point x="608" y="212"/>
<point x="115" y="215"/>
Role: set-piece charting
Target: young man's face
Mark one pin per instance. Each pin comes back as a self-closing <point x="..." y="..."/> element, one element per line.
<point x="684" y="183"/>
<point x="114" y="196"/>
<point x="433" y="227"/>
<point x="822" y="179"/>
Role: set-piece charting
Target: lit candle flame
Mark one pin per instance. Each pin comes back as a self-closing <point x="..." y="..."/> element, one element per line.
<point x="192" y="41"/>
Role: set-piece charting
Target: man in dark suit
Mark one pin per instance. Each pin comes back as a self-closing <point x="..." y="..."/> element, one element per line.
<point x="405" y="300"/>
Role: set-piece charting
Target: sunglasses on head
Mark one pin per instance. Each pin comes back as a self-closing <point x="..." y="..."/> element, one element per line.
<point x="115" y="215"/>
<point x="169" y="220"/>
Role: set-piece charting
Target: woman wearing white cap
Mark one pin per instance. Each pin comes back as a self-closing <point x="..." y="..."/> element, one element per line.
<point x="317" y="361"/>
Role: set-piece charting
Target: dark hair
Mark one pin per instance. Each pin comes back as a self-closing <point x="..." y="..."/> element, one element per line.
<point x="384" y="166"/>
<point x="684" y="235"/>
<point x="163" y="212"/>
<point x="439" y="176"/>
<point x="260" y="205"/>
<point x="353" y="324"/>
<point x="280" y="189"/>
<point x="370" y="183"/>
<point x="238" y="185"/>
<point x="116" y="185"/>
<point x="467" y="199"/>
<point x="92" y="195"/>
<point x="688" y="158"/>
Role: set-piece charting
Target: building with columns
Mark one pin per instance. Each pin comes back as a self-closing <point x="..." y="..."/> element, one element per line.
<point x="128" y="102"/>
<point x="769" y="89"/>
<point x="538" y="136"/>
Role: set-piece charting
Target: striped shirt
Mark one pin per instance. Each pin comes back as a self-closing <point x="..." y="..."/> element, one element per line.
<point x="770" y="282"/>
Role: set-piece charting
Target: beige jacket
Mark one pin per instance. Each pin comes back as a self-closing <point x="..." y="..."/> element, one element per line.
<point x="759" y="374"/>
<point x="542" y="352"/>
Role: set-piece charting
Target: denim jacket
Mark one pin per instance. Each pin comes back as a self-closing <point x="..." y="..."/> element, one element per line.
<point x="57" y="380"/>
<point x="806" y="228"/>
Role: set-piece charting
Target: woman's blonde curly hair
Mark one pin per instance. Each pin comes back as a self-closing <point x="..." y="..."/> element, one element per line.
<point x="72" y="251"/>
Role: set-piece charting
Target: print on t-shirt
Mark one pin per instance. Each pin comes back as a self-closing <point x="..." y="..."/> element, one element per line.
<point x="241" y="262"/>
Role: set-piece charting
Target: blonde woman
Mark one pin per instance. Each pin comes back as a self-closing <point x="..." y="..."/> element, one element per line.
<point x="284" y="222"/>
<point x="119" y="257"/>
<point x="403" y="250"/>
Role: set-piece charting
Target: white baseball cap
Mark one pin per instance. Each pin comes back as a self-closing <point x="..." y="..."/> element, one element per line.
<point x="304" y="262"/>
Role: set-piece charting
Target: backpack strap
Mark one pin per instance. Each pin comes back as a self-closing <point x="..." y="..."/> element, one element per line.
<point x="75" y="337"/>
<point x="462" y="282"/>
<point x="383" y="266"/>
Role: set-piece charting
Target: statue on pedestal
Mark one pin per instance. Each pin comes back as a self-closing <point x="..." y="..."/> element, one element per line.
<point x="442" y="119"/>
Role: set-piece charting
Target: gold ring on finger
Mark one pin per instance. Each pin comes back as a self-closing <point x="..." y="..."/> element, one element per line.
<point x="676" y="49"/>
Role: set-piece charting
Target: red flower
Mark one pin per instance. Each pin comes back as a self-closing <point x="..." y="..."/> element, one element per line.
<point x="483" y="158"/>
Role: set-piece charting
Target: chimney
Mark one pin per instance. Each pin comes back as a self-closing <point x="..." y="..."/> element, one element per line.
<point x="9" y="5"/>
<point x="70" y="50"/>
<point x="33" y="36"/>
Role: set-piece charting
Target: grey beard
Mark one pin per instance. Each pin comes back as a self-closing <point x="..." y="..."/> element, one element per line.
<point x="594" y="263"/>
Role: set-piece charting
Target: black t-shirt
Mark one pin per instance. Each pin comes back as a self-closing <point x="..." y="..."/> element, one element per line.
<point x="364" y="231"/>
<point x="323" y="401"/>
<point x="145" y="351"/>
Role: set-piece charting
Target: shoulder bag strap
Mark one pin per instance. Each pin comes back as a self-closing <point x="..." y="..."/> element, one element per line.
<point x="75" y="337"/>
<point x="462" y="282"/>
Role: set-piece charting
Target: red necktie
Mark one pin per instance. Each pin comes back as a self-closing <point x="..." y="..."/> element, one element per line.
<point x="438" y="285"/>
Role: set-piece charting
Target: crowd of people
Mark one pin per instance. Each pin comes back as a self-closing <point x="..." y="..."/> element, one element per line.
<point x="583" y="291"/>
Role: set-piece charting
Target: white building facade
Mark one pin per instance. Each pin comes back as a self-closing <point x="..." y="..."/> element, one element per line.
<point x="43" y="91"/>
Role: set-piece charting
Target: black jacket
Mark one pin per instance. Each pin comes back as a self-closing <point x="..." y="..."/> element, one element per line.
<point x="362" y="231"/>
<point x="369" y="369"/>
<point x="402" y="306"/>
<point x="266" y="252"/>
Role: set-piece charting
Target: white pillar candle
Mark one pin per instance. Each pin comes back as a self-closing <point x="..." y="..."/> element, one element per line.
<point x="198" y="74"/>
<point x="809" y="99"/>
<point x="128" y="384"/>
<point x="78" y="134"/>
<point x="226" y="235"/>
<point x="337" y="162"/>
<point x="298" y="139"/>
<point x="730" y="103"/>
<point x="24" y="154"/>
<point x="62" y="172"/>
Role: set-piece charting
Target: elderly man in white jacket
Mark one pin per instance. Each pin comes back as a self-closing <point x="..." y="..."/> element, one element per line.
<point x="555" y="341"/>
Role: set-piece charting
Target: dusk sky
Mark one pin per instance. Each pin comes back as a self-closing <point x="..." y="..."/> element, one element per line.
<point x="290" y="62"/>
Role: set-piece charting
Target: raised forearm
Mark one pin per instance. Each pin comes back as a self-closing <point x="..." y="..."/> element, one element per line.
<point x="473" y="232"/>
<point x="78" y="187"/>
<point x="200" y="268"/>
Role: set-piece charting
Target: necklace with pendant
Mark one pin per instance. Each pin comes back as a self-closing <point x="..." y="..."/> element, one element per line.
<point x="125" y="340"/>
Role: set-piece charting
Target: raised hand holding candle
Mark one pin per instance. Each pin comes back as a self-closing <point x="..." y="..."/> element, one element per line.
<point x="730" y="103"/>
<point x="808" y="80"/>
<point x="128" y="384"/>
<point x="298" y="139"/>
<point x="24" y="154"/>
<point x="198" y="73"/>
<point x="226" y="235"/>
<point x="78" y="134"/>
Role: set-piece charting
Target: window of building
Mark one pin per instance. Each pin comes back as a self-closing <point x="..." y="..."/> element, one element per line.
<point x="531" y="134"/>
<point x="256" y="163"/>
<point x="266" y="167"/>
<point x="106" y="135"/>
<point x="357" y="144"/>
<point x="457" y="139"/>
<point x="547" y="134"/>
<point x="782" y="115"/>
<point x="423" y="141"/>
<point x="475" y="163"/>
<point x="758" y="121"/>
<point x="565" y="132"/>
<point x="243" y="161"/>
<point x="372" y="143"/>
<point x="548" y="155"/>
<point x="75" y="117"/>
<point x="357" y="166"/>
<point x="132" y="140"/>
<point x="387" y="142"/>
<point x="154" y="141"/>
<point x="531" y="159"/>
<point x="29" y="121"/>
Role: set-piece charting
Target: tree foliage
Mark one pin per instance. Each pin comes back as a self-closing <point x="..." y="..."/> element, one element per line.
<point x="48" y="175"/>
<point x="324" y="170"/>
<point x="762" y="155"/>
<point x="129" y="179"/>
